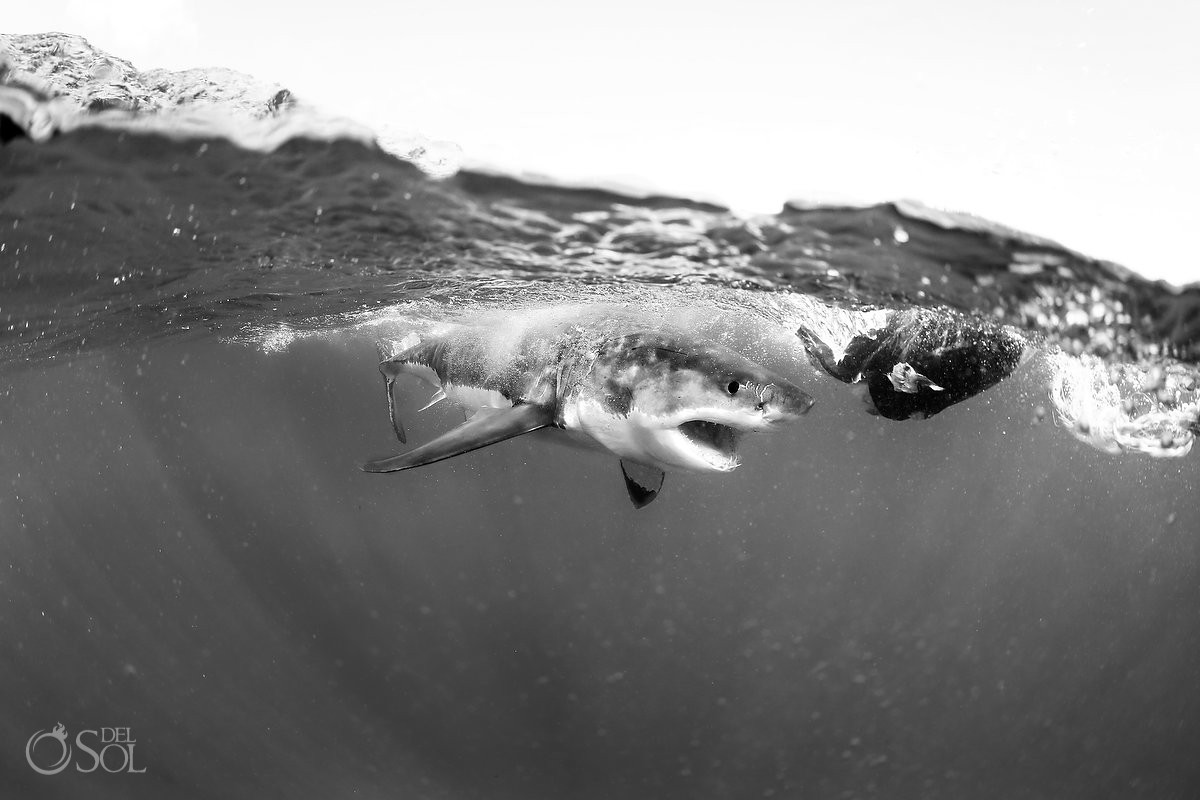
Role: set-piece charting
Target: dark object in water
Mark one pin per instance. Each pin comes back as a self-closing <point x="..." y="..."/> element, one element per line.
<point x="922" y="361"/>
<point x="9" y="129"/>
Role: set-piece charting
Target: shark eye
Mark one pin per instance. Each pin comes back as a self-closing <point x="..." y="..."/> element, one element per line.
<point x="733" y="387"/>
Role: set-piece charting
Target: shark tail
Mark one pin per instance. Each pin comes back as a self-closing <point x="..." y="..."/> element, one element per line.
<point x="402" y="358"/>
<point x="392" y="353"/>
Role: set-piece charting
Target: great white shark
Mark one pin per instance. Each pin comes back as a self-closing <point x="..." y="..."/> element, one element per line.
<point x="657" y="400"/>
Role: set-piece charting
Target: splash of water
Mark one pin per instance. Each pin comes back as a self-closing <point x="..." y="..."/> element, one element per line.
<point x="1151" y="409"/>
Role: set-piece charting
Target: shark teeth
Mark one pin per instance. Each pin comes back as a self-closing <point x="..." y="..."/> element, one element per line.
<point x="719" y="442"/>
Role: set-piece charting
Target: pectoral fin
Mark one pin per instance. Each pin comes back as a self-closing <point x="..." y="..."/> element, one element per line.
<point x="642" y="482"/>
<point x="480" y="431"/>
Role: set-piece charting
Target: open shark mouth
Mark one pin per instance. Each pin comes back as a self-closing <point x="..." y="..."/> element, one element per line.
<point x="717" y="443"/>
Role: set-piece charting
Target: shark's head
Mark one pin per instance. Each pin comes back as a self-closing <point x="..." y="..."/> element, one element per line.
<point x="678" y="403"/>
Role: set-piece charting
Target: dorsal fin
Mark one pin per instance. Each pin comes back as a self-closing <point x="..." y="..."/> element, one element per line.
<point x="480" y="431"/>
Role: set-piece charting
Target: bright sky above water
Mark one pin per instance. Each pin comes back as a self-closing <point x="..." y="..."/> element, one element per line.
<point x="1074" y="120"/>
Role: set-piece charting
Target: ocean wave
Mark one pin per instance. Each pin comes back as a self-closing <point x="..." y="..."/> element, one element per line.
<point x="149" y="204"/>
<point x="53" y="84"/>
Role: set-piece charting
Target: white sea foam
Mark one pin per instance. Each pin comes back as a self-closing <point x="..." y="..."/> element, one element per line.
<point x="1126" y="407"/>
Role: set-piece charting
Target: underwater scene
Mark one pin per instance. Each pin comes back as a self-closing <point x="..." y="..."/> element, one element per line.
<point x="332" y="470"/>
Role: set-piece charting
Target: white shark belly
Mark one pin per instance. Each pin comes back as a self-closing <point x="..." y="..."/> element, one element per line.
<point x="641" y="438"/>
<point x="621" y="435"/>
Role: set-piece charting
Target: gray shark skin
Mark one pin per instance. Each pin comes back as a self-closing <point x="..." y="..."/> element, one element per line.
<point x="657" y="400"/>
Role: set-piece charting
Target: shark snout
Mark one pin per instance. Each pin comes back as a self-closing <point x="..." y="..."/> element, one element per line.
<point x="782" y="402"/>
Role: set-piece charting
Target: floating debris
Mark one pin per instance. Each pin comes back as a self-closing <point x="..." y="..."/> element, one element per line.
<point x="906" y="379"/>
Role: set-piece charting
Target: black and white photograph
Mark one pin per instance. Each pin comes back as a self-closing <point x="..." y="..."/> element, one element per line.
<point x="599" y="401"/>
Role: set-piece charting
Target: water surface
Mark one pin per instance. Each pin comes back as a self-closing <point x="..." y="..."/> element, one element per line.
<point x="988" y="592"/>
